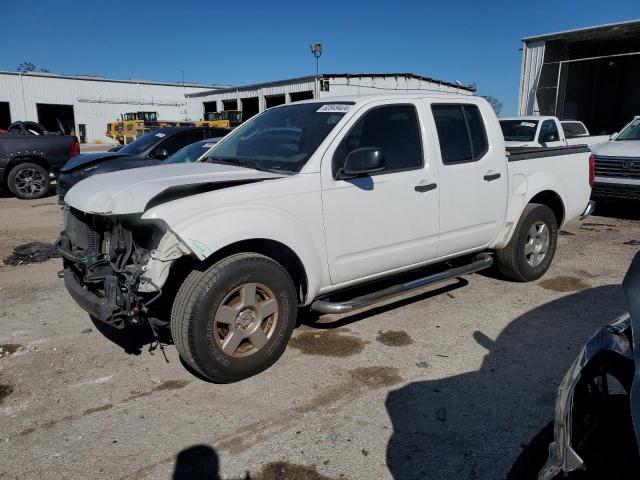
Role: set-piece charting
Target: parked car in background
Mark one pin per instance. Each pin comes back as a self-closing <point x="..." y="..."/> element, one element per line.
<point x="150" y="149"/>
<point x="30" y="161"/>
<point x="309" y="200"/>
<point x="618" y="164"/>
<point x="545" y="131"/>
<point x="597" y="417"/>
<point x="196" y="152"/>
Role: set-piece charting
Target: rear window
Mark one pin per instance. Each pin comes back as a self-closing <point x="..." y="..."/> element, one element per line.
<point x="461" y="133"/>
<point x="573" y="129"/>
<point x="519" y="130"/>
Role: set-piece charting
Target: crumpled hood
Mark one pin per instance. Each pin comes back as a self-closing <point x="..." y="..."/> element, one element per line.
<point x="129" y="191"/>
<point x="622" y="148"/>
<point x="85" y="159"/>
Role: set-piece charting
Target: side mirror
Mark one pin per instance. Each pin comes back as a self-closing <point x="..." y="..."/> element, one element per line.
<point x="613" y="136"/>
<point x="160" y="153"/>
<point x="362" y="161"/>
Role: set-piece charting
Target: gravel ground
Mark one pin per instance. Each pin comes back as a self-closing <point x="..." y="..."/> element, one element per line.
<point x="447" y="383"/>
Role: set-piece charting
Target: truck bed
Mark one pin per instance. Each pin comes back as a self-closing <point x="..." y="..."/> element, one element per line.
<point x="515" y="154"/>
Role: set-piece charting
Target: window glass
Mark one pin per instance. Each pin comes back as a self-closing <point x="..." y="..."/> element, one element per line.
<point x="461" y="133"/>
<point x="175" y="143"/>
<point x="190" y="153"/>
<point x="453" y="136"/>
<point x="282" y="138"/>
<point x="631" y="132"/>
<point x="394" y="130"/>
<point x="573" y="129"/>
<point x="478" y="136"/>
<point x="519" y="130"/>
<point x="549" y="131"/>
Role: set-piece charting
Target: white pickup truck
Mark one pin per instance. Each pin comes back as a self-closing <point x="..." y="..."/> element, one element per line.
<point x="537" y="131"/>
<point x="331" y="204"/>
<point x="618" y="164"/>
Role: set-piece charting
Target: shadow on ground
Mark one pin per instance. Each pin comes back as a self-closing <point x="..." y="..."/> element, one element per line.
<point x="613" y="208"/>
<point x="474" y="426"/>
<point x="201" y="462"/>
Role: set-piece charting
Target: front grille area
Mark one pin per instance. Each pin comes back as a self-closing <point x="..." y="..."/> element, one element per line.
<point x="81" y="231"/>
<point x="612" y="190"/>
<point x="619" y="167"/>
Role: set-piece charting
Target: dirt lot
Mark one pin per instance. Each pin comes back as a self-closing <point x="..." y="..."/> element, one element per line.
<point x="450" y="383"/>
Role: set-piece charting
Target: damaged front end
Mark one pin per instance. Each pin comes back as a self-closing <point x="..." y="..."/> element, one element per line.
<point x="115" y="266"/>
<point x="597" y="418"/>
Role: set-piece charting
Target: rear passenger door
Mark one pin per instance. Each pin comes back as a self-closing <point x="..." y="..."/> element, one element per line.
<point x="473" y="177"/>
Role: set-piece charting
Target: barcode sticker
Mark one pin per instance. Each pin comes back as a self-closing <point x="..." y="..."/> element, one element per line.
<point x="334" y="108"/>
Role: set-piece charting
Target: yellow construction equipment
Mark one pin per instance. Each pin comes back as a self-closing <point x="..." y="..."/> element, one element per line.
<point x="226" y="119"/>
<point x="134" y="124"/>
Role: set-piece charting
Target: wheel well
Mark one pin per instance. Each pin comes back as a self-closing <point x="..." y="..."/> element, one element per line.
<point x="552" y="200"/>
<point x="274" y="250"/>
<point x="18" y="160"/>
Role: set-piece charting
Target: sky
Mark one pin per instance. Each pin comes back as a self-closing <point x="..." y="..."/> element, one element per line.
<point x="242" y="42"/>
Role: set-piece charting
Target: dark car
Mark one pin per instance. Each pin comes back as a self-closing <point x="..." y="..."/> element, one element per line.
<point x="30" y="157"/>
<point x="150" y="149"/>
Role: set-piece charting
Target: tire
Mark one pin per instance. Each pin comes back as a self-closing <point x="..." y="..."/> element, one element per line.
<point x="521" y="259"/>
<point x="29" y="181"/>
<point x="230" y="302"/>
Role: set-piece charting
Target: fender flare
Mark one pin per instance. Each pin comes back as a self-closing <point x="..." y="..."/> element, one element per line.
<point x="522" y="192"/>
<point x="204" y="234"/>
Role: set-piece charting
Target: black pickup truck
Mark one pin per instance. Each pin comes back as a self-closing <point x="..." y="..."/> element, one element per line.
<point x="28" y="161"/>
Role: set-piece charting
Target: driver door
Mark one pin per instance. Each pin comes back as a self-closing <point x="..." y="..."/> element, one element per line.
<point x="389" y="219"/>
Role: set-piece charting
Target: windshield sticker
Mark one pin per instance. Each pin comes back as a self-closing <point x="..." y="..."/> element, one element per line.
<point x="334" y="108"/>
<point x="160" y="135"/>
<point x="208" y="145"/>
<point x="527" y="124"/>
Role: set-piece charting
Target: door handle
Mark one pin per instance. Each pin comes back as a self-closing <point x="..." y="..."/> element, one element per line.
<point x="492" y="177"/>
<point x="425" y="188"/>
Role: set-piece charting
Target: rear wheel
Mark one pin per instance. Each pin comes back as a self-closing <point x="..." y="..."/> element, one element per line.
<point x="234" y="319"/>
<point x="530" y="251"/>
<point x="29" y="181"/>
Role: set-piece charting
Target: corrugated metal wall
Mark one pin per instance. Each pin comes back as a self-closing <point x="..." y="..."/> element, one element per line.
<point x="95" y="102"/>
<point x="532" y="59"/>
<point x="337" y="86"/>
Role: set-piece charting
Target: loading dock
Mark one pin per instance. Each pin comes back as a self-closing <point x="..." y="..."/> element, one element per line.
<point x="274" y="100"/>
<point x="50" y="114"/>
<point x="5" y="115"/>
<point x="589" y="74"/>
<point x="209" y="107"/>
<point x="250" y="107"/>
<point x="229" y="105"/>
<point x="298" y="96"/>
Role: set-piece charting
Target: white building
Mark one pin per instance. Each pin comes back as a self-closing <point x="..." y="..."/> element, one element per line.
<point x="253" y="99"/>
<point x="588" y="74"/>
<point x="87" y="103"/>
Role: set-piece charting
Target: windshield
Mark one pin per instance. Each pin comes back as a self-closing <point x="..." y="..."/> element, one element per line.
<point x="192" y="152"/>
<point x="631" y="132"/>
<point x="519" y="130"/>
<point x="142" y="143"/>
<point x="282" y="138"/>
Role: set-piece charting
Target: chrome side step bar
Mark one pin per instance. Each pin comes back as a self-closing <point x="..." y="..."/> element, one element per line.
<point x="481" y="262"/>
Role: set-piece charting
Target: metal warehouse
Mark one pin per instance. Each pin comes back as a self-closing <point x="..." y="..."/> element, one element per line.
<point x="589" y="74"/>
<point x="253" y="99"/>
<point x="85" y="104"/>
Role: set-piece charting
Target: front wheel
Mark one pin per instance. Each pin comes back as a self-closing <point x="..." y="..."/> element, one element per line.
<point x="530" y="251"/>
<point x="29" y="181"/>
<point x="234" y="319"/>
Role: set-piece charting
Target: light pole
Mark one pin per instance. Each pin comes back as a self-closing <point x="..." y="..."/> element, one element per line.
<point x="316" y="50"/>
